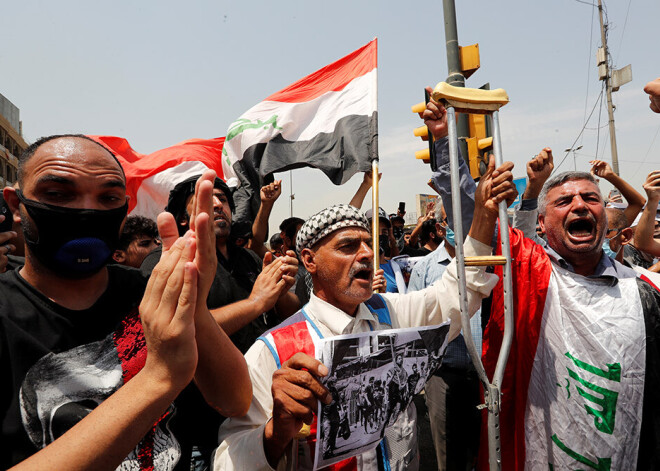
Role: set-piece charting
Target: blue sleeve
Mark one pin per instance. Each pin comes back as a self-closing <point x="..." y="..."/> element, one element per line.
<point x="416" y="282"/>
<point x="442" y="181"/>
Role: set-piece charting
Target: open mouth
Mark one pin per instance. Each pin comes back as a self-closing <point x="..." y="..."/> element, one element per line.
<point x="580" y="229"/>
<point x="363" y="274"/>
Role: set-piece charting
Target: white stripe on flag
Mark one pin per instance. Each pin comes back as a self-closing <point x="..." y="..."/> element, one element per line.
<point x="300" y="121"/>
<point x="154" y="191"/>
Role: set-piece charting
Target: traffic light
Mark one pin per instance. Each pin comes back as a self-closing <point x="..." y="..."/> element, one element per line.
<point x="477" y="143"/>
<point x="469" y="59"/>
<point x="422" y="132"/>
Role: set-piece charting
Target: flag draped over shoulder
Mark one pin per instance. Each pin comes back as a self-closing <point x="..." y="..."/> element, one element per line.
<point x="327" y="120"/>
<point x="151" y="177"/>
<point x="579" y="388"/>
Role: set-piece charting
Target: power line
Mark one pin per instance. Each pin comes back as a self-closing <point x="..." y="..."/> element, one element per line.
<point x="600" y="110"/>
<point x="586" y="3"/>
<point x="625" y="23"/>
<point x="581" y="131"/>
<point x="647" y="153"/>
<point x="591" y="42"/>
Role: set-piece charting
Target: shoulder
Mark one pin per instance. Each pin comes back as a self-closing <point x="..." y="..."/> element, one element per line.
<point x="150" y="261"/>
<point x="244" y="255"/>
<point x="126" y="280"/>
<point x="14" y="289"/>
<point x="623" y="271"/>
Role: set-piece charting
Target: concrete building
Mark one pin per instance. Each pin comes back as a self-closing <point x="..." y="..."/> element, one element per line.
<point x="11" y="141"/>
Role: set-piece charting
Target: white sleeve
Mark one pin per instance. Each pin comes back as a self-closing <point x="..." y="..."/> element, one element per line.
<point x="241" y="438"/>
<point x="439" y="302"/>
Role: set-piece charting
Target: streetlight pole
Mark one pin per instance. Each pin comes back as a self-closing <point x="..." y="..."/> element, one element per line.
<point x="574" y="150"/>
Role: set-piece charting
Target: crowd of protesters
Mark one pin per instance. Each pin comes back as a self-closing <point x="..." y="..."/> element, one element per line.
<point x="187" y="342"/>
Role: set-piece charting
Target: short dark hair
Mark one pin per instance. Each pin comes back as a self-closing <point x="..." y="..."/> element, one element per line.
<point x="276" y="240"/>
<point x="135" y="227"/>
<point x="178" y="199"/>
<point x="289" y="226"/>
<point x="27" y="154"/>
<point x="288" y="221"/>
<point x="428" y="228"/>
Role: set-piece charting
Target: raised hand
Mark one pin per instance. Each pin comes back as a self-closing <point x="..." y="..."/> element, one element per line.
<point x="494" y="187"/>
<point x="379" y="283"/>
<point x="289" y="269"/>
<point x="269" y="193"/>
<point x="652" y="186"/>
<point x="167" y="312"/>
<point x="538" y="171"/>
<point x="276" y="277"/>
<point x="296" y="391"/>
<point x="653" y="90"/>
<point x="435" y="118"/>
<point x="5" y="247"/>
<point x="602" y="169"/>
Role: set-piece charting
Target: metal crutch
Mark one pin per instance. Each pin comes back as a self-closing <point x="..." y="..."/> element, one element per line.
<point x="482" y="102"/>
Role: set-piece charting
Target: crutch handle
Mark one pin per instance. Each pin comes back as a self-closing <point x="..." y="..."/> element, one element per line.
<point x="485" y="261"/>
<point x="470" y="100"/>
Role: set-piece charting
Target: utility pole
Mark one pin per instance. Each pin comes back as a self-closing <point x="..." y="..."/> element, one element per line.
<point x="291" y="195"/>
<point x="455" y="75"/>
<point x="608" y="89"/>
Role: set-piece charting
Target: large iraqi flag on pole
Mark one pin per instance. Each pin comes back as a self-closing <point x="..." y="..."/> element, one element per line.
<point x="326" y="120"/>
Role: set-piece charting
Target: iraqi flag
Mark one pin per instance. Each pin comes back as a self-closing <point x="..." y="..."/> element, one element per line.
<point x="327" y="120"/>
<point x="151" y="177"/>
<point x="581" y="383"/>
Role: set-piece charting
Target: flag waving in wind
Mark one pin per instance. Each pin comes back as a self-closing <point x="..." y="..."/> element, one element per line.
<point x="327" y="120"/>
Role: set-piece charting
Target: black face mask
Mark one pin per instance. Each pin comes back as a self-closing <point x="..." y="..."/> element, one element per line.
<point x="74" y="243"/>
<point x="398" y="232"/>
<point x="384" y="245"/>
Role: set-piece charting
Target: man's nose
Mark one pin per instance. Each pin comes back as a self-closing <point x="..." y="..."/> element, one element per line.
<point x="217" y="203"/>
<point x="578" y="204"/>
<point x="366" y="252"/>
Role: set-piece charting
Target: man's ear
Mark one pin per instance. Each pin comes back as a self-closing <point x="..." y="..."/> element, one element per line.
<point x="541" y="222"/>
<point x="9" y="194"/>
<point x="119" y="256"/>
<point x="308" y="259"/>
<point x="626" y="236"/>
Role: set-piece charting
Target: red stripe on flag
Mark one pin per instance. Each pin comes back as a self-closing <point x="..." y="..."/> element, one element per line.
<point x="139" y="167"/>
<point x="531" y="269"/>
<point x="331" y="78"/>
<point x="648" y="280"/>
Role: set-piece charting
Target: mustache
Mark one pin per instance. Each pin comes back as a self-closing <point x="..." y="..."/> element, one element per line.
<point x="359" y="267"/>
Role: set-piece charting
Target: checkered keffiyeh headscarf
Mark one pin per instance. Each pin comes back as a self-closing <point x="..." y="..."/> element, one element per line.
<point x="328" y="221"/>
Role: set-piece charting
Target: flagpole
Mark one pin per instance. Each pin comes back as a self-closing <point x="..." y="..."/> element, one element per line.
<point x="375" y="235"/>
<point x="375" y="219"/>
<point x="291" y="193"/>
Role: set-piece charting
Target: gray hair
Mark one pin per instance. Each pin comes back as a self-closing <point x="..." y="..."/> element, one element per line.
<point x="560" y="179"/>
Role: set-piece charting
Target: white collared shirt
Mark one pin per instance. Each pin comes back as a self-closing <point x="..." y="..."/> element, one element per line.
<point x="241" y="438"/>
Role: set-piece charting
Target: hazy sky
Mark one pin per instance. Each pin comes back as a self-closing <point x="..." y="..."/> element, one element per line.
<point x="161" y="72"/>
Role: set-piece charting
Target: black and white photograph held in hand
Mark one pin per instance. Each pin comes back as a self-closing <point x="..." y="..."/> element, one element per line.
<point x="372" y="377"/>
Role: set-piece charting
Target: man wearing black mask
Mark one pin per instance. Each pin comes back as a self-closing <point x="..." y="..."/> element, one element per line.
<point x="78" y="388"/>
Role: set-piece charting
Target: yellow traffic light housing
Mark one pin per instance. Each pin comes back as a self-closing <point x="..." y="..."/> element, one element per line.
<point x="469" y="59"/>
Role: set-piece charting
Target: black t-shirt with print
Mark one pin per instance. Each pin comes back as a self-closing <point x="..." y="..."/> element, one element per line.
<point x="32" y="326"/>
